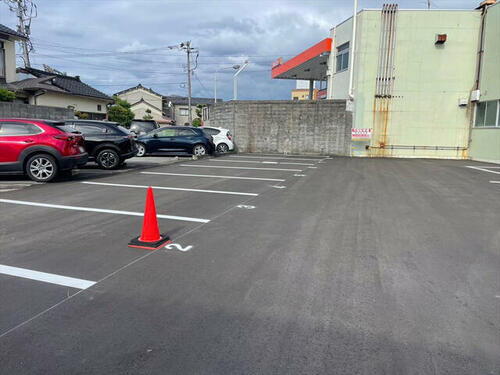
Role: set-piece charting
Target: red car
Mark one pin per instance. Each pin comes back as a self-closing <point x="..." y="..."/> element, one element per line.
<point x="39" y="148"/>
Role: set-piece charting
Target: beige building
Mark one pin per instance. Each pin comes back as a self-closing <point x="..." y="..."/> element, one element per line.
<point x="173" y="108"/>
<point x="303" y="94"/>
<point x="8" y="37"/>
<point x="54" y="89"/>
<point x="144" y="101"/>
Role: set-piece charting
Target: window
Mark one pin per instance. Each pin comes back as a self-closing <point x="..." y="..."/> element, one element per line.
<point x="99" y="108"/>
<point x="16" y="129"/>
<point x="342" y="57"/>
<point x="166" y="133"/>
<point x="487" y="114"/>
<point x="185" y="133"/>
<point x="2" y="60"/>
<point x="90" y="129"/>
<point x="184" y="111"/>
<point x="211" y="131"/>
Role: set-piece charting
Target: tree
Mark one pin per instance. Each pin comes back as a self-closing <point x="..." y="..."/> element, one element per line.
<point x="120" y="112"/>
<point x="197" y="122"/>
<point x="6" y="95"/>
<point x="199" y="111"/>
<point x="147" y="116"/>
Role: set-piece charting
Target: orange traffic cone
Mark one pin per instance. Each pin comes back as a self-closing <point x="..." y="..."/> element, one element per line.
<point x="150" y="237"/>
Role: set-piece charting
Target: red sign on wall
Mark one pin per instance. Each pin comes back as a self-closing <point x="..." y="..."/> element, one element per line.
<point x="361" y="133"/>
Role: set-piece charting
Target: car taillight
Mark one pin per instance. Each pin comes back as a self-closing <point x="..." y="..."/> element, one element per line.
<point x="64" y="137"/>
<point x="230" y="137"/>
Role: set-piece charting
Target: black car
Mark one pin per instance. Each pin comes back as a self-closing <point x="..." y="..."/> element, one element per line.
<point x="107" y="143"/>
<point x="175" y="140"/>
<point x="140" y="127"/>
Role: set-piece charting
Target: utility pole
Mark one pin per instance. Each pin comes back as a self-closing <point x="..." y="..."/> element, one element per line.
<point x="21" y="27"/>
<point x="186" y="46"/>
<point x="25" y="10"/>
<point x="428" y="4"/>
<point x="188" y="52"/>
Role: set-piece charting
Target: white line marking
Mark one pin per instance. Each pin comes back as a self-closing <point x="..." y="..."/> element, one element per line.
<point x="270" y="157"/>
<point x="226" y="167"/>
<point x="279" y="187"/>
<point x="494" y="182"/>
<point x="258" y="162"/>
<point x="245" y="206"/>
<point x="212" y="176"/>
<point x="46" y="277"/>
<point x="312" y="167"/>
<point x="171" y="188"/>
<point x="89" y="209"/>
<point x="482" y="169"/>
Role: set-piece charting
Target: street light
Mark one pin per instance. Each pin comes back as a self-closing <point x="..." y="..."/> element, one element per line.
<point x="215" y="78"/>
<point x="235" y="78"/>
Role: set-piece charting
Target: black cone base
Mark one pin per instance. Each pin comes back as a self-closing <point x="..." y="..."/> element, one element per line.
<point x="135" y="242"/>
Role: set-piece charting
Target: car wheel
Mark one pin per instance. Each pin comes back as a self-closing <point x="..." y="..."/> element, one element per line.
<point x="108" y="159"/>
<point x="199" y="150"/>
<point x="141" y="150"/>
<point x="41" y="168"/>
<point x="222" y="148"/>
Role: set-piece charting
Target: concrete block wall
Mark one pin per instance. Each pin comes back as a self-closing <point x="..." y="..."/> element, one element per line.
<point x="21" y="110"/>
<point x="296" y="127"/>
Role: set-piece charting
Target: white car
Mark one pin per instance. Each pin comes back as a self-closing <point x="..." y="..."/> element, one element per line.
<point x="223" y="138"/>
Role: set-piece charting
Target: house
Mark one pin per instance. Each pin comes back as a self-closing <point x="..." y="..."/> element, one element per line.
<point x="8" y="37"/>
<point x="177" y="108"/>
<point x="161" y="108"/>
<point x="144" y="101"/>
<point x="54" y="89"/>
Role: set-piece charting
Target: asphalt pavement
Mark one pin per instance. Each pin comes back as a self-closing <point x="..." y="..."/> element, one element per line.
<point x="278" y="265"/>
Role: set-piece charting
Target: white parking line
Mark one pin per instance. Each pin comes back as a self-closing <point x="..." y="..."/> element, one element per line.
<point x="288" y="156"/>
<point x="226" y="167"/>
<point x="89" y="209"/>
<point x="271" y="157"/>
<point x="46" y="277"/>
<point x="482" y="169"/>
<point x="258" y="162"/>
<point x="212" y="176"/>
<point x="171" y="188"/>
<point x="495" y="182"/>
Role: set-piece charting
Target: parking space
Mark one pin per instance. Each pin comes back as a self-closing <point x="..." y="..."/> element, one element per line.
<point x="492" y="171"/>
<point x="273" y="259"/>
<point x="78" y="228"/>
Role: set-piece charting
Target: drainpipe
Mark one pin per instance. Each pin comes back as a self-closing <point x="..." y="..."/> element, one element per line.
<point x="480" y="54"/>
<point x="353" y="49"/>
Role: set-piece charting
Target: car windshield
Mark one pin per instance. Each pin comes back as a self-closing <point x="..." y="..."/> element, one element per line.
<point x="67" y="129"/>
<point x="143" y="126"/>
<point x="125" y="130"/>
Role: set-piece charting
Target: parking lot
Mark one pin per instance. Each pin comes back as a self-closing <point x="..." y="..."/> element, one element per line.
<point x="278" y="265"/>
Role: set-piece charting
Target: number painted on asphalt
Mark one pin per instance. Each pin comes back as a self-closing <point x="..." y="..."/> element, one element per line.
<point x="172" y="246"/>
<point x="245" y="206"/>
<point x="279" y="187"/>
<point x="299" y="175"/>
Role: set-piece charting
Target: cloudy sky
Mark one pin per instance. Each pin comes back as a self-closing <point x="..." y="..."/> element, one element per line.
<point x="116" y="44"/>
